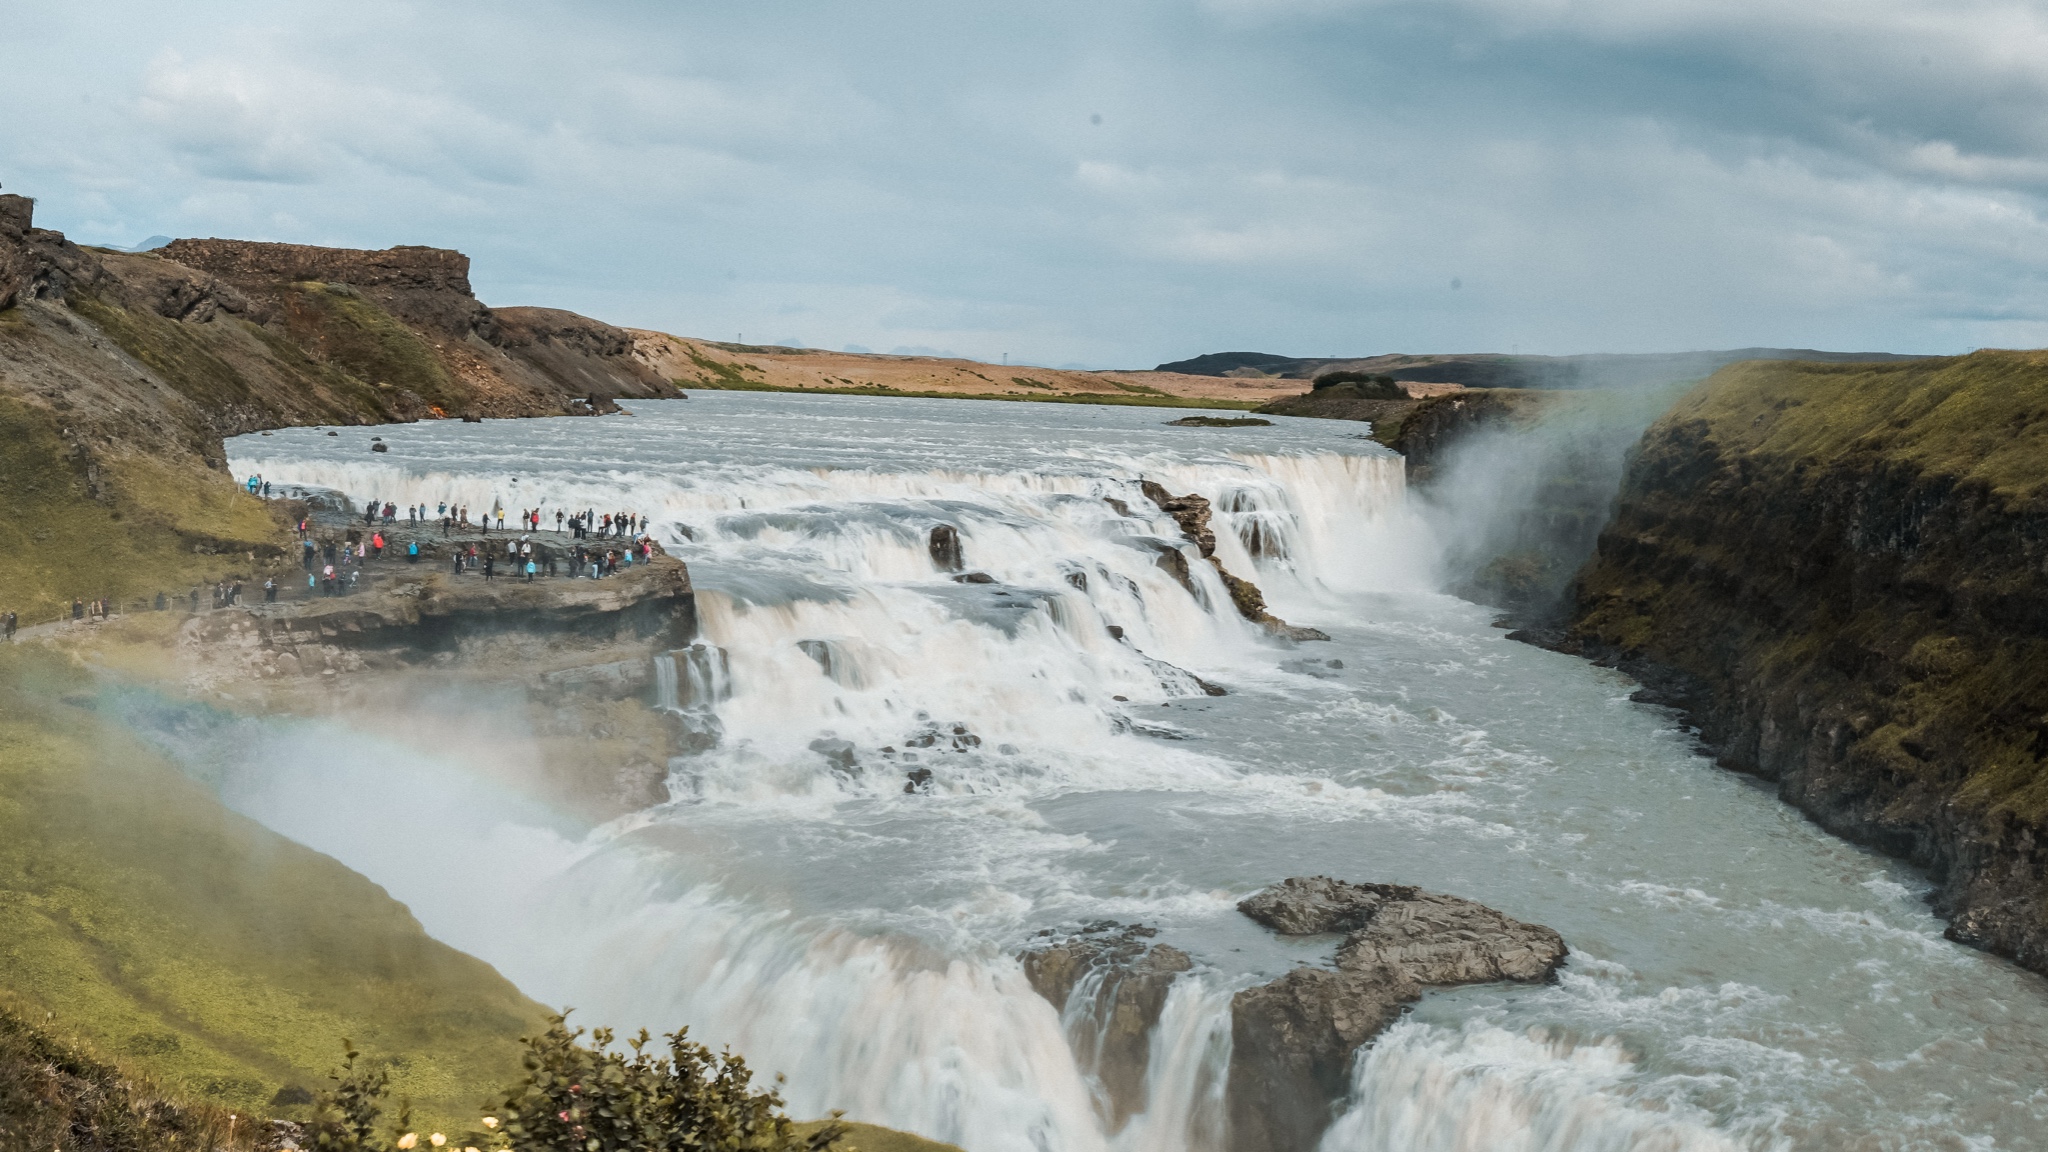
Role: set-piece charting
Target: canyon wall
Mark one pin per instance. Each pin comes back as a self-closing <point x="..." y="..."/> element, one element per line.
<point x="1840" y="573"/>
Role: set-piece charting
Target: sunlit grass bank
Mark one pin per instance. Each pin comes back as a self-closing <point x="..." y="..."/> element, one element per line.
<point x="144" y="920"/>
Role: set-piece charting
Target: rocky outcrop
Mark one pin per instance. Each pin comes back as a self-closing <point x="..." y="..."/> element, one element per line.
<point x="1313" y="905"/>
<point x="1292" y="1040"/>
<point x="1291" y="1043"/>
<point x="16" y="218"/>
<point x="427" y="287"/>
<point x="1191" y="513"/>
<point x="1109" y="982"/>
<point x="1841" y="575"/>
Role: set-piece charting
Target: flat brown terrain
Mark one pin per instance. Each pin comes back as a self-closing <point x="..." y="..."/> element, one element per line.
<point x="714" y="364"/>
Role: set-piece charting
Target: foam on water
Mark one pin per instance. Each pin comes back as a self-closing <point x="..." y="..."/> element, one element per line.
<point x="1738" y="978"/>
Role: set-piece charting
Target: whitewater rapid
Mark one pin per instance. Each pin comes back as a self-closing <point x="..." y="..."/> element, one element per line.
<point x="1738" y="979"/>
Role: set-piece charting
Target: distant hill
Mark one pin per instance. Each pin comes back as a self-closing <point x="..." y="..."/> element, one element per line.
<point x="1493" y="370"/>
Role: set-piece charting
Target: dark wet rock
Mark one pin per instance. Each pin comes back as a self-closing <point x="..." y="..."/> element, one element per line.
<point x="943" y="738"/>
<point x="838" y="753"/>
<point x="1174" y="563"/>
<point x="819" y="651"/>
<point x="380" y="446"/>
<point x="1116" y="631"/>
<point x="1445" y="940"/>
<point x="1078" y="579"/>
<point x="1109" y="981"/>
<point x="947" y="554"/>
<point x="1293" y="1039"/>
<point x="1122" y="509"/>
<point x="1310" y="905"/>
<point x="975" y="578"/>
<point x="1291" y="1047"/>
<point x="918" y="780"/>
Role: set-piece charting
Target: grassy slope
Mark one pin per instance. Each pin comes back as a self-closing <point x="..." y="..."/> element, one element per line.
<point x="193" y="944"/>
<point x="158" y="525"/>
<point x="1979" y="418"/>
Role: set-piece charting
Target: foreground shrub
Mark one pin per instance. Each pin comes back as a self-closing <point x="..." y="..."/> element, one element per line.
<point x="588" y="1097"/>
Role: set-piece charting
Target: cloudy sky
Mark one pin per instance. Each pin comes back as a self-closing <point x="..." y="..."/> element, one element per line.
<point x="1109" y="182"/>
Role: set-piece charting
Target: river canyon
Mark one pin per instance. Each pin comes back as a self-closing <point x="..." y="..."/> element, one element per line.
<point x="899" y="761"/>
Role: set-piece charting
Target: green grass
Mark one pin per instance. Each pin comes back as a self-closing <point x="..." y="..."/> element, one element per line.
<point x="1981" y="417"/>
<point x="124" y="526"/>
<point x="141" y="918"/>
<point x="178" y="353"/>
<point x="873" y="1138"/>
<point x="355" y="336"/>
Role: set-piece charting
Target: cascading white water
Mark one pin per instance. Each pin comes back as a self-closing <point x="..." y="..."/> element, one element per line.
<point x="797" y="902"/>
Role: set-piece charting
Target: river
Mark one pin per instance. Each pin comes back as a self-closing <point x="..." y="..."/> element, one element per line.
<point x="1738" y="978"/>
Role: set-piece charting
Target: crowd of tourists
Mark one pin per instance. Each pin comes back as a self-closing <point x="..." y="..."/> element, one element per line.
<point x="336" y="566"/>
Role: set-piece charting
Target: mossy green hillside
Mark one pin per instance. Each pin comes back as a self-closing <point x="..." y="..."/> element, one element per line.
<point x="359" y="338"/>
<point x="140" y="917"/>
<point x="1981" y="418"/>
<point x="118" y="525"/>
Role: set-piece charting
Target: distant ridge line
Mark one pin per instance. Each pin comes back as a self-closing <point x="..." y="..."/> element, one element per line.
<point x="1500" y="370"/>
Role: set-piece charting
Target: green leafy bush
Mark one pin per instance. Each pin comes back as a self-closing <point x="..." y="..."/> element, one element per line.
<point x="590" y="1097"/>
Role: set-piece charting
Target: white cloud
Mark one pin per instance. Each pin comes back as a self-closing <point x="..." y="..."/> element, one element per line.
<point x="1298" y="175"/>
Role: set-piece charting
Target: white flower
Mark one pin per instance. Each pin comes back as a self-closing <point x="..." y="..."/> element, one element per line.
<point x="408" y="1140"/>
<point x="490" y="1121"/>
<point x="437" y="1139"/>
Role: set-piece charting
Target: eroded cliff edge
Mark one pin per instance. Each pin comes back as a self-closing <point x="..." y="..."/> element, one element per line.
<point x="1840" y="573"/>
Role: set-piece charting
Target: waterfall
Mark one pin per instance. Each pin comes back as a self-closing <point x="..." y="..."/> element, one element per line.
<point x="1428" y="1089"/>
<point x="890" y="773"/>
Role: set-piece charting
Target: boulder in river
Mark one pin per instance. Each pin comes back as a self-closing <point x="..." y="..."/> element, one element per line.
<point x="1292" y="1040"/>
<point x="1109" y="982"/>
<point x="1291" y="1043"/>
<point x="1310" y="905"/>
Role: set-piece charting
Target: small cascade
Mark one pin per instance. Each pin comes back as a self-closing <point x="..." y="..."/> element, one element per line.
<point x="707" y="676"/>
<point x="689" y="689"/>
<point x="665" y="682"/>
<point x="1427" y="1089"/>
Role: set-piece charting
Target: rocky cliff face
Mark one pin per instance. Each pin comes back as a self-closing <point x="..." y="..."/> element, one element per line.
<point x="16" y="213"/>
<point x="1841" y="573"/>
<point x="120" y="374"/>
